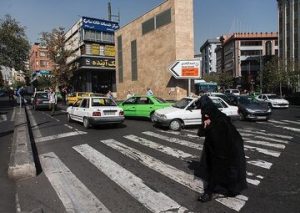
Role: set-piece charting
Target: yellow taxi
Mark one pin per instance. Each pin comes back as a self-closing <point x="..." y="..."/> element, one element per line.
<point x="75" y="96"/>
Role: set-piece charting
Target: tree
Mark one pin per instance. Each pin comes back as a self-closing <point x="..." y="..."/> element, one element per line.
<point x="55" y="42"/>
<point x="14" y="46"/>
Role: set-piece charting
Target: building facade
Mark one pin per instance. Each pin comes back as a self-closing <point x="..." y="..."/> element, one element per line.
<point x="241" y="55"/>
<point x="91" y="41"/>
<point x="147" y="46"/>
<point x="39" y="61"/>
<point x="209" y="57"/>
<point x="289" y="29"/>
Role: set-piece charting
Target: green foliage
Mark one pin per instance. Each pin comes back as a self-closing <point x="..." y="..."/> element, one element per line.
<point x="55" y="42"/>
<point x="14" y="45"/>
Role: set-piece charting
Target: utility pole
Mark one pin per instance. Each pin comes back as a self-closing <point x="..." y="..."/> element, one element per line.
<point x="260" y="72"/>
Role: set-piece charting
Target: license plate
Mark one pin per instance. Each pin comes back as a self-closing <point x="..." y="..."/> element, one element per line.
<point x="109" y="113"/>
<point x="261" y="117"/>
<point x="46" y="102"/>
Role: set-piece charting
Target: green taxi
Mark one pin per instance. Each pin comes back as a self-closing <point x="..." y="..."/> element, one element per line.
<point x="143" y="106"/>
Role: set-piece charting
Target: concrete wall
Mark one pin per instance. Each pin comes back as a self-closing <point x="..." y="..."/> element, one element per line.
<point x="157" y="50"/>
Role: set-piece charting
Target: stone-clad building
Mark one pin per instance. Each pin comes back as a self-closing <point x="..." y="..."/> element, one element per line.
<point x="147" y="46"/>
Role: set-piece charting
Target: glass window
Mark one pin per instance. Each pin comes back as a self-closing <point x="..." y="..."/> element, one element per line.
<point x="134" y="71"/>
<point x="120" y="59"/>
<point x="163" y="18"/>
<point x="181" y="104"/>
<point x="148" y="26"/>
<point x="131" y="100"/>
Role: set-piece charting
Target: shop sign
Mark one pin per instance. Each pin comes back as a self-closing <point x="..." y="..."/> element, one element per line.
<point x="98" y="62"/>
<point x="99" y="24"/>
<point x="95" y="49"/>
<point x="110" y="50"/>
<point x="185" y="69"/>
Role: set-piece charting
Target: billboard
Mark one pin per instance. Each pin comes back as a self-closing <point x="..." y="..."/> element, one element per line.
<point x="99" y="24"/>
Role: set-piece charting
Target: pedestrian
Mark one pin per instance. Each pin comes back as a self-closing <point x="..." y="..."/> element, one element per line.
<point x="223" y="156"/>
<point x="109" y="94"/>
<point x="149" y="92"/>
<point x="64" y="92"/>
<point x="52" y="101"/>
<point x="129" y="94"/>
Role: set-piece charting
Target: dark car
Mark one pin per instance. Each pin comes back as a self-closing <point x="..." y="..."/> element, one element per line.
<point x="40" y="100"/>
<point x="252" y="109"/>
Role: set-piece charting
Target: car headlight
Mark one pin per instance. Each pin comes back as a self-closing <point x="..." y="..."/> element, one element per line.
<point x="250" y="110"/>
<point x="269" y="110"/>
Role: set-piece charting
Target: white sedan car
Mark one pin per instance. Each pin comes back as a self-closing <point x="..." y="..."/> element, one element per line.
<point x="185" y="112"/>
<point x="95" y="110"/>
<point x="273" y="100"/>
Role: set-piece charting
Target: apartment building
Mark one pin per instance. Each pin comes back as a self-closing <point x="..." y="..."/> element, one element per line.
<point x="147" y="46"/>
<point x="242" y="54"/>
<point x="91" y="41"/>
<point x="209" y="57"/>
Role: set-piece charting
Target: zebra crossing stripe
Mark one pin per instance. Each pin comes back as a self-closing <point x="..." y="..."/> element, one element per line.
<point x="260" y="163"/>
<point x="292" y="122"/>
<point x="277" y="122"/>
<point x="272" y="139"/>
<point x="288" y="128"/>
<point x="152" y="200"/>
<point x="174" y="140"/>
<point x="264" y="143"/>
<point x="263" y="151"/>
<point x="187" y="180"/>
<point x="73" y="193"/>
<point x="192" y="136"/>
<point x="63" y="135"/>
<point x="257" y="132"/>
<point x="165" y="149"/>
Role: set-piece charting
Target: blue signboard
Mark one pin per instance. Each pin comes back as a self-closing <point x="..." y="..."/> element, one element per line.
<point x="99" y="24"/>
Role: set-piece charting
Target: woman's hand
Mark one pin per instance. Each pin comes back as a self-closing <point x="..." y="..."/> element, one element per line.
<point x="207" y="121"/>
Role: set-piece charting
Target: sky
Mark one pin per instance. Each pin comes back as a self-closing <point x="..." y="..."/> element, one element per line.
<point x="212" y="18"/>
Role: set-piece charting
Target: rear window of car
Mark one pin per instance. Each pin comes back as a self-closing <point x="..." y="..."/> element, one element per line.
<point x="103" y="102"/>
<point x="42" y="95"/>
<point x="160" y="100"/>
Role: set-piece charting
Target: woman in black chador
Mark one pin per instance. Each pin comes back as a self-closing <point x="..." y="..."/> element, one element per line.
<point x="223" y="156"/>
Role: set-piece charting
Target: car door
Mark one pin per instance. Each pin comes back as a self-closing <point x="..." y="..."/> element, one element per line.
<point x="129" y="106"/>
<point x="144" y="106"/>
<point x="191" y="115"/>
<point x="82" y="110"/>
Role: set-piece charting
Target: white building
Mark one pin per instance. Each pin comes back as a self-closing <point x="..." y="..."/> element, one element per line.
<point x="209" y="58"/>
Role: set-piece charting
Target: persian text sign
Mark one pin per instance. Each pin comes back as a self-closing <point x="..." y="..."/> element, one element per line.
<point x="99" y="24"/>
<point x="185" y="69"/>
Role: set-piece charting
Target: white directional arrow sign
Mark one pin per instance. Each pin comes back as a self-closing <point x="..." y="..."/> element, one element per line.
<point x="185" y="69"/>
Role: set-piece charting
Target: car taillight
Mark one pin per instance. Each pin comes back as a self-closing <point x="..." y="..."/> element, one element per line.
<point x="96" y="113"/>
<point x="121" y="113"/>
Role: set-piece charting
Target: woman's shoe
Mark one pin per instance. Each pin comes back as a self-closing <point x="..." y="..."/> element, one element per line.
<point x="205" y="197"/>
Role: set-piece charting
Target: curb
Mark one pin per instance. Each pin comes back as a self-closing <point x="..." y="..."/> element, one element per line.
<point x="21" y="164"/>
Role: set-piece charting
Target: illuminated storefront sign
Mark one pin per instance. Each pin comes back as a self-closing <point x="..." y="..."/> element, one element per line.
<point x="110" y="50"/>
<point x="98" y="62"/>
<point x="99" y="24"/>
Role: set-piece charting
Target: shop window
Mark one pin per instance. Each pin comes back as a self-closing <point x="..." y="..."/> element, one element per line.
<point x="134" y="73"/>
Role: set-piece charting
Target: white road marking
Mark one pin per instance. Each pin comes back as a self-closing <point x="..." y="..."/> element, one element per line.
<point x="260" y="163"/>
<point x="174" y="140"/>
<point x="164" y="149"/>
<point x="13" y="115"/>
<point x="289" y="128"/>
<point x="70" y="190"/>
<point x="235" y="203"/>
<point x="253" y="182"/>
<point x="51" y="117"/>
<point x="257" y="132"/>
<point x="292" y="122"/>
<point x="62" y="135"/>
<point x="264" y="151"/>
<point x="154" y="201"/>
<point x="272" y="139"/>
<point x="277" y="122"/>
<point x="67" y="125"/>
<point x="264" y="143"/>
<point x="171" y="172"/>
<point x="192" y="136"/>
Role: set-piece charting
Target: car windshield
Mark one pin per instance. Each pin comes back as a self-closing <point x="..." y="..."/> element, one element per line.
<point x="273" y="97"/>
<point x="247" y="100"/>
<point x="224" y="97"/>
<point x="42" y="95"/>
<point x="160" y="100"/>
<point x="181" y="104"/>
<point x="103" y="102"/>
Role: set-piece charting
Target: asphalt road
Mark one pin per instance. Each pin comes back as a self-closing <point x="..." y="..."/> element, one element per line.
<point x="136" y="167"/>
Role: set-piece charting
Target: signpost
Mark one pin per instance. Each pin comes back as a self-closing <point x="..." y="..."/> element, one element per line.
<point x="186" y="69"/>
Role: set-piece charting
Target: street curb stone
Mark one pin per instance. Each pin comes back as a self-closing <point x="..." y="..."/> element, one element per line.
<point x="21" y="164"/>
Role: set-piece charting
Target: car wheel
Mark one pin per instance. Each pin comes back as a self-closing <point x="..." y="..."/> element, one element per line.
<point x="152" y="116"/>
<point x="242" y="116"/>
<point x="175" y="125"/>
<point x="86" y="123"/>
<point x="69" y="119"/>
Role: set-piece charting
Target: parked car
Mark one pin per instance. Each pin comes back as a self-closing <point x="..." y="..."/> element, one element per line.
<point x="40" y="100"/>
<point x="273" y="100"/>
<point x="185" y="112"/>
<point x="252" y="109"/>
<point x="95" y="111"/>
<point x="220" y="95"/>
<point x="143" y="106"/>
<point x="232" y="91"/>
